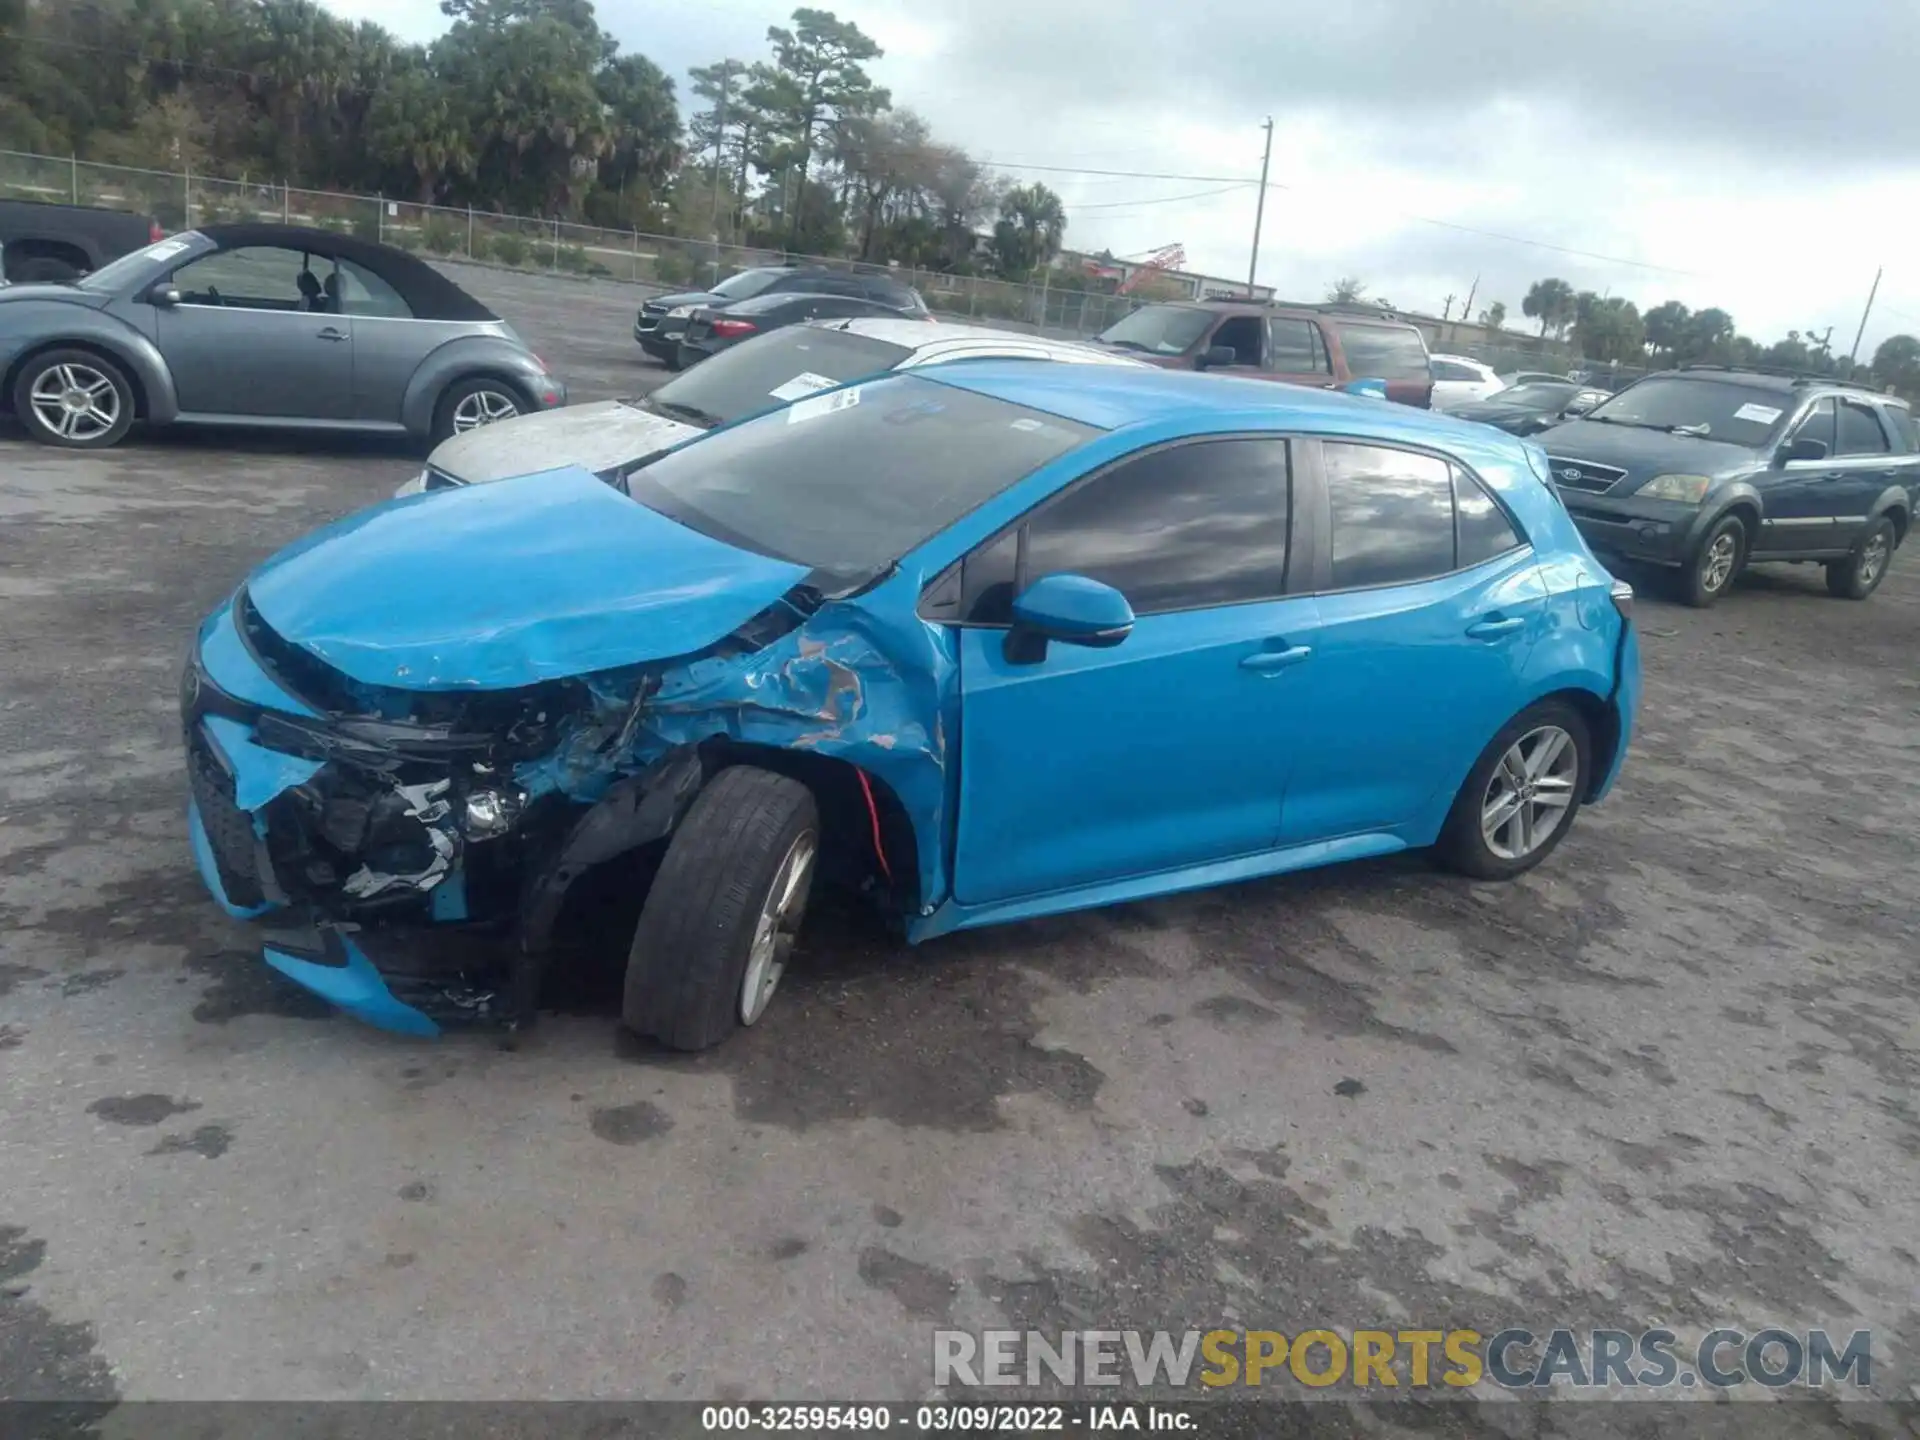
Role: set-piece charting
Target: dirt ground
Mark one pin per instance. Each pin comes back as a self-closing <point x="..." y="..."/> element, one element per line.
<point x="1668" y="1078"/>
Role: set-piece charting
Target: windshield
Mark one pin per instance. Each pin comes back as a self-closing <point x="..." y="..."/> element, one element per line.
<point x="1159" y="329"/>
<point x="848" y="482"/>
<point x="1720" y="409"/>
<point x="771" y="370"/>
<point x="747" y="282"/>
<point x="113" y="276"/>
<point x="1384" y="352"/>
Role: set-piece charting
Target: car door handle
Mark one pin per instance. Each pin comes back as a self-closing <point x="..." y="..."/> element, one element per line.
<point x="331" y="334"/>
<point x="1494" y="629"/>
<point x="1268" y="661"/>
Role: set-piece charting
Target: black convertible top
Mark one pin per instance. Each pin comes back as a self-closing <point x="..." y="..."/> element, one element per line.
<point x="428" y="293"/>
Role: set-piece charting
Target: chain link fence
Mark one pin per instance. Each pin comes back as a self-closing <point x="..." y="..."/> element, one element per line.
<point x="181" y="200"/>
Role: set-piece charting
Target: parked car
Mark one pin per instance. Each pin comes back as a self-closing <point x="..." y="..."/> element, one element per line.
<point x="44" y="244"/>
<point x="711" y="330"/>
<point x="1324" y="346"/>
<point x="663" y="319"/>
<point x="1708" y="469"/>
<point x="1460" y="379"/>
<point x="262" y="325"/>
<point x="977" y="641"/>
<point x="770" y="370"/>
<point x="1531" y="408"/>
<point x="1534" y="377"/>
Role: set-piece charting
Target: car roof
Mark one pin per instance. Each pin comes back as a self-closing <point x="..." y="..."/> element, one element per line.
<point x="1784" y="381"/>
<point x="1463" y="360"/>
<point x="1352" y="314"/>
<point x="927" y="335"/>
<point x="1116" y="397"/>
<point x="429" y="294"/>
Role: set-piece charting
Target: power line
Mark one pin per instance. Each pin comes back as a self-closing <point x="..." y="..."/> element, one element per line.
<point x="1165" y="199"/>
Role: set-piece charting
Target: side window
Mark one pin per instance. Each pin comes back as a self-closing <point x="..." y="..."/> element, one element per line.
<point x="252" y="277"/>
<point x="1819" y="423"/>
<point x="1384" y="352"/>
<point x="1900" y="420"/>
<point x="1295" y="348"/>
<point x="1481" y="528"/>
<point x="1391" y="516"/>
<point x="1182" y="528"/>
<point x="1447" y="370"/>
<point x="1240" y="334"/>
<point x="361" y="292"/>
<point x="1860" y="432"/>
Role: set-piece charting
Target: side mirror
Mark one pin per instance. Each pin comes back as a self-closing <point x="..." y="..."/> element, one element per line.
<point x="1071" y="609"/>
<point x="164" y="296"/>
<point x="1804" y="447"/>
<point x="1218" y="355"/>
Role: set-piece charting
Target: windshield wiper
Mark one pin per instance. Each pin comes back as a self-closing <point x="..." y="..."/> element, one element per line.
<point x="1635" y="424"/>
<point x="692" y="414"/>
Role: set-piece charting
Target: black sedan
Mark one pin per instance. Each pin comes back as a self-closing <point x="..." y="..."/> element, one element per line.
<point x="711" y="329"/>
<point x="1528" y="409"/>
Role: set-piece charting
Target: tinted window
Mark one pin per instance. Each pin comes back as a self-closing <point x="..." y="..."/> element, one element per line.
<point x="771" y="370"/>
<point x="1860" y="432"/>
<point x="1538" y="396"/>
<point x="1192" y="525"/>
<point x="1391" y="514"/>
<point x="1159" y="329"/>
<point x="987" y="581"/>
<point x="1483" y="528"/>
<point x="252" y="277"/>
<point x="1819" y="423"/>
<point x="847" y="483"/>
<point x="748" y="282"/>
<point x="361" y="292"/>
<point x="1383" y="352"/>
<point x="1296" y="347"/>
<point x="1901" y="419"/>
<point x="1722" y="409"/>
<point x="1240" y="334"/>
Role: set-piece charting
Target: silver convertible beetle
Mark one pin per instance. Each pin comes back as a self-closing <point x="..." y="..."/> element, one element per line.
<point x="763" y="373"/>
<point x="262" y="325"/>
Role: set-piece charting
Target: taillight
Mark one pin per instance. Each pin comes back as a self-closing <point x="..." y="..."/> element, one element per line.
<point x="727" y="329"/>
<point x="1623" y="599"/>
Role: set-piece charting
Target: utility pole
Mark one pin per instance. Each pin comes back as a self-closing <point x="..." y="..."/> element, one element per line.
<point x="1466" y="313"/>
<point x="1260" y="208"/>
<point x="1853" y="355"/>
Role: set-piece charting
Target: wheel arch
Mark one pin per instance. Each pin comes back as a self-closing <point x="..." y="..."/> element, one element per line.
<point x="39" y="247"/>
<point x="138" y="377"/>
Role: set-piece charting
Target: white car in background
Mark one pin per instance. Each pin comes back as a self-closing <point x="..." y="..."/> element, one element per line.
<point x="612" y="436"/>
<point x="1458" y="380"/>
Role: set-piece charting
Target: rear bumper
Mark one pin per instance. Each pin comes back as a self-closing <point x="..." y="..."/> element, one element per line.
<point x="1660" y="532"/>
<point x="1626" y="705"/>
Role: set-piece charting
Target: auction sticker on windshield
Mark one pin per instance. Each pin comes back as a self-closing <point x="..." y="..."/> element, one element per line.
<point x="1759" y="414"/>
<point x="805" y="383"/>
<point x="823" y="405"/>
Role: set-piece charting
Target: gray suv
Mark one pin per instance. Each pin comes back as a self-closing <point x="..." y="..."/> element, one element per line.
<point x="1707" y="469"/>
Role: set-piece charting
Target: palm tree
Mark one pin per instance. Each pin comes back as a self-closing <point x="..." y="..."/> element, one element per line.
<point x="1551" y="302"/>
<point x="1495" y="315"/>
<point x="1347" y="290"/>
<point x="1033" y="221"/>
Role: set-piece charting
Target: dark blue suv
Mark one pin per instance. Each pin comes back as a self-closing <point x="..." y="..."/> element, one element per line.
<point x="1707" y="469"/>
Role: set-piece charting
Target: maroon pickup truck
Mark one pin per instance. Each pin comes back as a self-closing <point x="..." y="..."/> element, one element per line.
<point x="1302" y="344"/>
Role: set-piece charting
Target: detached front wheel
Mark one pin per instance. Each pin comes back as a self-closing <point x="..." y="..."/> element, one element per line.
<point x="725" y="910"/>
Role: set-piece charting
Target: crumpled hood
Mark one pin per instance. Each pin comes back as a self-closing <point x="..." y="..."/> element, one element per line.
<point x="596" y="437"/>
<point x="496" y="587"/>
<point x="1644" y="453"/>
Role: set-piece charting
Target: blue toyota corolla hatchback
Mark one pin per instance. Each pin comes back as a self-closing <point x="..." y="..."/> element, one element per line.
<point x="997" y="641"/>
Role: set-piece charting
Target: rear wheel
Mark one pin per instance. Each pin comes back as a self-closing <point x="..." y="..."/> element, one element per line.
<point x="724" y="910"/>
<point x="75" y="399"/>
<point x="1706" y="576"/>
<point x="1860" y="574"/>
<point x="1521" y="796"/>
<point x="471" y="404"/>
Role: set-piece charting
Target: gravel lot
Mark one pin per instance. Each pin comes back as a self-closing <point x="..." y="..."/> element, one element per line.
<point x="1668" y="1078"/>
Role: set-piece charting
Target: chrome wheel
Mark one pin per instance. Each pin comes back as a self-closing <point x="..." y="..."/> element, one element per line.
<point x="1873" y="557"/>
<point x="1716" y="567"/>
<point x="75" y="401"/>
<point x="1530" y="792"/>
<point x="483" y="407"/>
<point x="777" y="929"/>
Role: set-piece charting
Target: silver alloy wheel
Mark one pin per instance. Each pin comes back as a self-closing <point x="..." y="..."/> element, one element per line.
<point x="778" y="927"/>
<point x="483" y="407"/>
<point x="1873" y="557"/>
<point x="75" y="401"/>
<point x="1530" y="792"/>
<point x="1720" y="557"/>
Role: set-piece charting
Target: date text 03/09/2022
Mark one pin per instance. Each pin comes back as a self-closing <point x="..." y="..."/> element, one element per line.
<point x="946" y="1418"/>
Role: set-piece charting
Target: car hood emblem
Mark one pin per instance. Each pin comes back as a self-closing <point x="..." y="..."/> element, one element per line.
<point x="1568" y="472"/>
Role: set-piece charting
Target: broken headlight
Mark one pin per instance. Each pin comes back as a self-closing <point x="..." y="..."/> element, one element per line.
<point x="492" y="812"/>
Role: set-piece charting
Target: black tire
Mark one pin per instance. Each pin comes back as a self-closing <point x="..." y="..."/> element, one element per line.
<point x="462" y="391"/>
<point x="83" y="363"/>
<point x="691" y="949"/>
<point x="1860" y="574"/>
<point x="1702" y="580"/>
<point x="43" y="270"/>
<point x="1463" y="844"/>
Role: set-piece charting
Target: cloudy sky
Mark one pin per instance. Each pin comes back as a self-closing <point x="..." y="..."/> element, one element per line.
<point x="1752" y="154"/>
